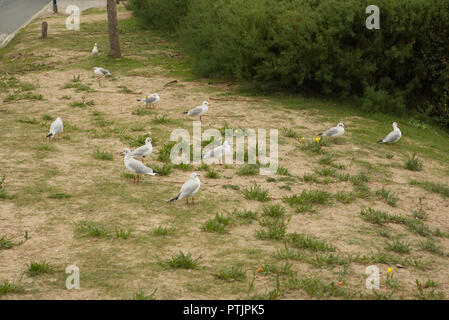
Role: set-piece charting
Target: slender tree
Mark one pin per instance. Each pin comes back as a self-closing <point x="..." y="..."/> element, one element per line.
<point x="114" y="45"/>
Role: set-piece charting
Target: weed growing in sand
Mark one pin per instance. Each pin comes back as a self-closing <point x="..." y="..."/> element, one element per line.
<point x="413" y="163"/>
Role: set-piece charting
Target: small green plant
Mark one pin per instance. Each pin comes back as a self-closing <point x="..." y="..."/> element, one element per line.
<point x="217" y="224"/>
<point x="375" y="216"/>
<point x="164" y="153"/>
<point x="103" y="155"/>
<point x="360" y="178"/>
<point x="231" y="186"/>
<point x="47" y="117"/>
<point x="10" y="288"/>
<point x="122" y="234"/>
<point x="256" y="193"/>
<point x="309" y="197"/>
<point x="388" y="196"/>
<point x="283" y="171"/>
<point x="431" y="246"/>
<point x="37" y="268"/>
<point x="274" y="211"/>
<point x="246" y="215"/>
<point x="82" y="104"/>
<point x="182" y="261"/>
<point x="248" y="170"/>
<point x="142" y="112"/>
<point x="212" y="174"/>
<point x="431" y="294"/>
<point x="90" y="229"/>
<point x="78" y="86"/>
<point x="161" y="119"/>
<point x="163" y="231"/>
<point x="59" y="196"/>
<point x="290" y="133"/>
<point x="309" y="242"/>
<point x="275" y="231"/>
<point x="140" y="295"/>
<point x="326" y="172"/>
<point x="6" y="244"/>
<point x="233" y="273"/>
<point x="165" y="170"/>
<point x="413" y="163"/>
<point x="345" y="197"/>
<point x="399" y="246"/>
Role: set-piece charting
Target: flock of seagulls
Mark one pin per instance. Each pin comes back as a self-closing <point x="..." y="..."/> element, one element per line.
<point x="192" y="186"/>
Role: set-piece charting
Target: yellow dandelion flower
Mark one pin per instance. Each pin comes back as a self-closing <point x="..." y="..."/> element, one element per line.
<point x="318" y="139"/>
<point x="389" y="270"/>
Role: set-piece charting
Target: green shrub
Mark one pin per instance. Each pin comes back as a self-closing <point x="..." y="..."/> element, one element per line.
<point x="319" y="47"/>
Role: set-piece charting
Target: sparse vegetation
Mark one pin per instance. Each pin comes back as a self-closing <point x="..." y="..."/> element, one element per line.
<point x="413" y="163"/>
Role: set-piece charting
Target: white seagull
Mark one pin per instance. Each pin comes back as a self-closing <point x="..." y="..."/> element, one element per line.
<point x="95" y="49"/>
<point x="199" y="111"/>
<point x="100" y="72"/>
<point x="56" y="127"/>
<point x="135" y="166"/>
<point x="189" y="189"/>
<point x="218" y="152"/>
<point x="393" y="136"/>
<point x="334" y="132"/>
<point x="150" y="100"/>
<point x="144" y="150"/>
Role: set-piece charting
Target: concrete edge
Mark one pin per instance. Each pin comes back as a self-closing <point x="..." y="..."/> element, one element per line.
<point x="12" y="35"/>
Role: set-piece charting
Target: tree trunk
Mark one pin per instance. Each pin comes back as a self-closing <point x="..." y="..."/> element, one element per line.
<point x="114" y="45"/>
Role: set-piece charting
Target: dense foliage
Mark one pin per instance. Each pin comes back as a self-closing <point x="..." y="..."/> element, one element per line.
<point x="319" y="46"/>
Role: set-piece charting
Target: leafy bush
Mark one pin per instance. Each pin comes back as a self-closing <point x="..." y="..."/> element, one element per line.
<point x="319" y="46"/>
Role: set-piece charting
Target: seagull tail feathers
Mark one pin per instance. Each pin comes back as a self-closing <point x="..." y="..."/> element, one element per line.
<point x="380" y="141"/>
<point x="174" y="199"/>
<point x="50" y="135"/>
<point x="185" y="112"/>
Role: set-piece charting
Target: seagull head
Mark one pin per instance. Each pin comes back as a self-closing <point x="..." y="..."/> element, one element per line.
<point x="194" y="175"/>
<point x="205" y="103"/>
<point x="125" y="152"/>
<point x="148" y="140"/>
<point x="395" y="125"/>
<point x="95" y="44"/>
<point x="226" y="143"/>
<point x="341" y="125"/>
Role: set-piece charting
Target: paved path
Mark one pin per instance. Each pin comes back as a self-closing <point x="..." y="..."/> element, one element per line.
<point x="14" y="13"/>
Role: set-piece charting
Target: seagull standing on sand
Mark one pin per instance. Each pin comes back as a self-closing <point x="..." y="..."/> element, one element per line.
<point x="135" y="166"/>
<point x="100" y="72"/>
<point x="150" y="100"/>
<point x="56" y="127"/>
<point x="144" y="150"/>
<point x="393" y="136"/>
<point x="334" y="132"/>
<point x="199" y="111"/>
<point x="189" y="189"/>
<point x="95" y="49"/>
<point x="218" y="152"/>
